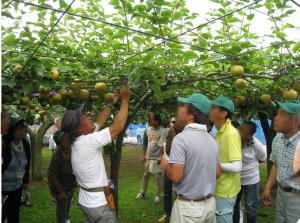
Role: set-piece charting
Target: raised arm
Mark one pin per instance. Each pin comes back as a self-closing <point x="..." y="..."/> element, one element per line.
<point x="260" y="150"/>
<point x="121" y="118"/>
<point x="104" y="114"/>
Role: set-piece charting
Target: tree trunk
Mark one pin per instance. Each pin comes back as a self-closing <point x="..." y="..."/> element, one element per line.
<point x="269" y="135"/>
<point x="36" y="139"/>
<point x="115" y="161"/>
<point x="115" y="156"/>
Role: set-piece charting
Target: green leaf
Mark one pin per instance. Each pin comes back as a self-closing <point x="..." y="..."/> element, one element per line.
<point x="63" y="4"/>
<point x="9" y="83"/>
<point x="65" y="68"/>
<point x="28" y="87"/>
<point x="149" y="57"/>
<point x="296" y="47"/>
<point x="250" y="16"/>
<point x="189" y="54"/>
<point x="10" y="40"/>
<point x="7" y="14"/>
<point x="132" y="69"/>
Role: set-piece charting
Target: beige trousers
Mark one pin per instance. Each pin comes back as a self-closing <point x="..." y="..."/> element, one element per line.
<point x="146" y="177"/>
<point x="194" y="212"/>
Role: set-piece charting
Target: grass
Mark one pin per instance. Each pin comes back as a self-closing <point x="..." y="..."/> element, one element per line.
<point x="131" y="211"/>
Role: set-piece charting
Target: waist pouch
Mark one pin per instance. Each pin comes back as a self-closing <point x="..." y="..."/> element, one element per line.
<point x="108" y="195"/>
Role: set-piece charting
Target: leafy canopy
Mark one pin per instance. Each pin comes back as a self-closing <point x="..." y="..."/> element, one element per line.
<point x="151" y="45"/>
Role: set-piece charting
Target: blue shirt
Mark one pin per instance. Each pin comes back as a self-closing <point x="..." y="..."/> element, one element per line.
<point x="283" y="152"/>
<point x="18" y="162"/>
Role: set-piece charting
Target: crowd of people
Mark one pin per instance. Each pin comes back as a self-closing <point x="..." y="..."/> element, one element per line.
<point x="210" y="174"/>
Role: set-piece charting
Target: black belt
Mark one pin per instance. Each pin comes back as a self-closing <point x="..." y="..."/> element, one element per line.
<point x="289" y="189"/>
<point x="97" y="189"/>
<point x="182" y="198"/>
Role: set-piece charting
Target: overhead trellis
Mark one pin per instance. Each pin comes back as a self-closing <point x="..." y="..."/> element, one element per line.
<point x="165" y="39"/>
<point x="211" y="54"/>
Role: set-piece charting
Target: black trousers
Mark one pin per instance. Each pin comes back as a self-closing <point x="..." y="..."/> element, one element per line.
<point x="11" y="206"/>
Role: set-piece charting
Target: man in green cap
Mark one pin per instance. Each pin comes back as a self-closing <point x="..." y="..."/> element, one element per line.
<point x="228" y="138"/>
<point x="283" y="151"/>
<point x="193" y="164"/>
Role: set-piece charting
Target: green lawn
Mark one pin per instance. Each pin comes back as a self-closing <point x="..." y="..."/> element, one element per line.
<point x="131" y="211"/>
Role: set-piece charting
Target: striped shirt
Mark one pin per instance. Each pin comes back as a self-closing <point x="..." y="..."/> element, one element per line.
<point x="283" y="152"/>
<point x="62" y="169"/>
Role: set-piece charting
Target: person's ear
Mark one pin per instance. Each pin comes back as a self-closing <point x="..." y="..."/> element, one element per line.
<point x="223" y="114"/>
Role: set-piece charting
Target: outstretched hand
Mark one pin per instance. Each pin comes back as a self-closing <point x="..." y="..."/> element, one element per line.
<point x="115" y="98"/>
<point x="125" y="93"/>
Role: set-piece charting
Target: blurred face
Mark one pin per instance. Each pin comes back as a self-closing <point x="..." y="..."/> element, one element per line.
<point x="284" y="122"/>
<point x="216" y="114"/>
<point x="245" y="132"/>
<point x="20" y="133"/>
<point x="58" y="123"/>
<point x="86" y="125"/>
<point x="153" y="122"/>
<point x="172" y="122"/>
<point x="183" y="115"/>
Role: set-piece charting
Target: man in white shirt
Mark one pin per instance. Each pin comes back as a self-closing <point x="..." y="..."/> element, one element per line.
<point x="253" y="153"/>
<point x="87" y="161"/>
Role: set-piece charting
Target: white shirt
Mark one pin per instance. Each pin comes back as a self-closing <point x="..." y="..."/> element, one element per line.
<point x="52" y="144"/>
<point x="88" y="166"/>
<point x="252" y="154"/>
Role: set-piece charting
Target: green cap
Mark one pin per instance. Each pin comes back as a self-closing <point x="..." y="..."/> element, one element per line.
<point x="292" y="107"/>
<point x="57" y="136"/>
<point x="222" y="101"/>
<point x="200" y="101"/>
<point x="13" y="120"/>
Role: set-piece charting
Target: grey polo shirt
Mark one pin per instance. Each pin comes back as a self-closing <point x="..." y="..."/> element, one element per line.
<point x="199" y="152"/>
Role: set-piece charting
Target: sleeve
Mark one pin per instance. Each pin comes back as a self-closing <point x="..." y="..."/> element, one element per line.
<point x="53" y="169"/>
<point x="260" y="150"/>
<point x="296" y="165"/>
<point x="273" y="152"/>
<point x="163" y="137"/>
<point x="234" y="146"/>
<point x="100" y="138"/>
<point x="218" y="154"/>
<point x="177" y="151"/>
<point x="97" y="127"/>
<point x="145" y="140"/>
<point x="233" y="167"/>
<point x="52" y="144"/>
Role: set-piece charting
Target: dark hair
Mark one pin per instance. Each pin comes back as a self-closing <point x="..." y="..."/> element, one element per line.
<point x="199" y="117"/>
<point x="229" y="114"/>
<point x="3" y="113"/>
<point x="70" y="123"/>
<point x="252" y="126"/>
<point x="9" y="136"/>
<point x="155" y="116"/>
<point x="235" y="124"/>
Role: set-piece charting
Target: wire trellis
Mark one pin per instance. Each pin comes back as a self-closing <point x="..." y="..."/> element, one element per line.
<point x="164" y="39"/>
<point x="45" y="37"/>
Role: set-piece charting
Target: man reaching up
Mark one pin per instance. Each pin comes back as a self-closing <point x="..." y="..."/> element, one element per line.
<point x="87" y="161"/>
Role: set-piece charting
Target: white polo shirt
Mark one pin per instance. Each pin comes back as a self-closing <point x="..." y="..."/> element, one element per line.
<point x="88" y="166"/>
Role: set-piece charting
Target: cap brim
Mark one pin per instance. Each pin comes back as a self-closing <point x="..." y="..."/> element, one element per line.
<point x="284" y="107"/>
<point x="182" y="100"/>
<point x="213" y="103"/>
